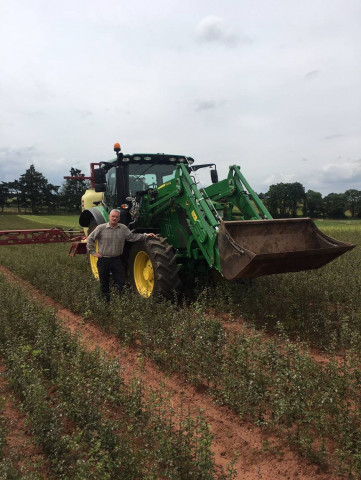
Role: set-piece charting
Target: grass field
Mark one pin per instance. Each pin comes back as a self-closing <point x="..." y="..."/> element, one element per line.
<point x="294" y="366"/>
<point x="18" y="222"/>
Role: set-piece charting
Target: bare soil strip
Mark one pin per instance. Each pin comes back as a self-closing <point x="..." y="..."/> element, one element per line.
<point x="20" y="445"/>
<point x="230" y="433"/>
<point x="239" y="325"/>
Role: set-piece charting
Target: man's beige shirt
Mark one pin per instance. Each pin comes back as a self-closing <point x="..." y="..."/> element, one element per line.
<point x="111" y="240"/>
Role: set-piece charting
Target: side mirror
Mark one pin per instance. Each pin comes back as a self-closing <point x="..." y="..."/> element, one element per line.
<point x="100" y="180"/>
<point x="214" y="176"/>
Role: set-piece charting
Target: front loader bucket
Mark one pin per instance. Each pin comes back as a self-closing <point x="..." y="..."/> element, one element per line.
<point x="253" y="248"/>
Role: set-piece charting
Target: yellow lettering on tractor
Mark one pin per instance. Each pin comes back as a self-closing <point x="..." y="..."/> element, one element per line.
<point x="164" y="185"/>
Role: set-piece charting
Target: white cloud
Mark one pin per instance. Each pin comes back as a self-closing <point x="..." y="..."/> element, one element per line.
<point x="215" y="29"/>
<point x="77" y="76"/>
<point x="280" y="178"/>
<point x="345" y="171"/>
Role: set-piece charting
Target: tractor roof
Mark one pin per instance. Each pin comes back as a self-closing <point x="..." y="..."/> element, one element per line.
<point x="149" y="158"/>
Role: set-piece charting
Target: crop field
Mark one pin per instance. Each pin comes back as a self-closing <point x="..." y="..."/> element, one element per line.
<point x="245" y="380"/>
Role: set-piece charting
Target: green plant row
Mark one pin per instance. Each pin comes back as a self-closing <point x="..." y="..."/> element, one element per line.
<point x="7" y="469"/>
<point x="88" y="422"/>
<point x="320" y="307"/>
<point x="269" y="382"/>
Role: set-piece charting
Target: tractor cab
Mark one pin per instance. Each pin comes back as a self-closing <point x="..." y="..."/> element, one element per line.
<point x="128" y="176"/>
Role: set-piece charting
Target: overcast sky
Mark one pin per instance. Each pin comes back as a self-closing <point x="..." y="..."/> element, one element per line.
<point x="271" y="85"/>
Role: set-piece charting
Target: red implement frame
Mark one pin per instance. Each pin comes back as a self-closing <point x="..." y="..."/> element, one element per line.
<point x="82" y="177"/>
<point x="43" y="236"/>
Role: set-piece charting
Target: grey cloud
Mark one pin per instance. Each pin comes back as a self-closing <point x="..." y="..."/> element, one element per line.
<point x="84" y="113"/>
<point x="346" y="174"/>
<point x="16" y="160"/>
<point x="214" y="29"/>
<point x="331" y="137"/>
<point x="201" y="105"/>
<point x="12" y="153"/>
<point x="311" y="75"/>
<point x="205" y="105"/>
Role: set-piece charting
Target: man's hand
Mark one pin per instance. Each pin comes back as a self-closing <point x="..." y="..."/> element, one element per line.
<point x="151" y="235"/>
<point x="97" y="255"/>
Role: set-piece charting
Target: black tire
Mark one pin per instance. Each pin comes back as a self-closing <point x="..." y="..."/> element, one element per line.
<point x="153" y="269"/>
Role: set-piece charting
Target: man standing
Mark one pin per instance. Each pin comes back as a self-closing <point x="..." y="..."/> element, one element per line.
<point x="111" y="237"/>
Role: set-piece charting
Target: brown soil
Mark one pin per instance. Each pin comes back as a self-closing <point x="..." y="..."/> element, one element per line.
<point x="20" y="445"/>
<point x="230" y="433"/>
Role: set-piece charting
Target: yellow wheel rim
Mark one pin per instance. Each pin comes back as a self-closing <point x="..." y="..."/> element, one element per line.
<point x="94" y="263"/>
<point x="143" y="274"/>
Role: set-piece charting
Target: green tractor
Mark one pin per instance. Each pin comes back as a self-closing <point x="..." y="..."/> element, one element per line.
<point x="223" y="227"/>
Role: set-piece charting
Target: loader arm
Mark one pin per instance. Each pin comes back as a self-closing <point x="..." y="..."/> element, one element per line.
<point x="181" y="193"/>
<point x="237" y="191"/>
<point x="252" y="246"/>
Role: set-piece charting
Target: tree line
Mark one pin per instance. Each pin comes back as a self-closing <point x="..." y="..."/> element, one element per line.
<point x="291" y="200"/>
<point x="33" y="193"/>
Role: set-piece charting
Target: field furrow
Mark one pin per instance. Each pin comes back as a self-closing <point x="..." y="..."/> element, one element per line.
<point x="88" y="420"/>
<point x="274" y="364"/>
<point x="256" y="454"/>
<point x="20" y="456"/>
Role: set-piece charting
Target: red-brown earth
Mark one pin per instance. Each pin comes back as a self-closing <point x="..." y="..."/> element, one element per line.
<point x="233" y="439"/>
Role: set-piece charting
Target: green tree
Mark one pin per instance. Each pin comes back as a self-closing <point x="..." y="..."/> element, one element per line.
<point x="335" y="205"/>
<point x="4" y="196"/>
<point x="72" y="190"/>
<point x="353" y="202"/>
<point x="285" y="199"/>
<point x="296" y="197"/>
<point x="36" y="192"/>
<point x="14" y="194"/>
<point x="314" y="204"/>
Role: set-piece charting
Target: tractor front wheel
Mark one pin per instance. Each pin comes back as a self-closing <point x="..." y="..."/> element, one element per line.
<point x="153" y="269"/>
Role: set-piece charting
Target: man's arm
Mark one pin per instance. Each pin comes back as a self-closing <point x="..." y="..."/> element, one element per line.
<point x="136" y="237"/>
<point x="91" y="241"/>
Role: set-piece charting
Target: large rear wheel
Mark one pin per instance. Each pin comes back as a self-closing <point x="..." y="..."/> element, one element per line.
<point x="153" y="269"/>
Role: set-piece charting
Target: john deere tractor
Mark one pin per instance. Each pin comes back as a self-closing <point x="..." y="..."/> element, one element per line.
<point x="223" y="227"/>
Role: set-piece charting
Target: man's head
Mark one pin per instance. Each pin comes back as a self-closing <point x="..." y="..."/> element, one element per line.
<point x="114" y="217"/>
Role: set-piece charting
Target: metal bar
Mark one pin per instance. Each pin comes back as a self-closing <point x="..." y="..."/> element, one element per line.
<point x="39" y="236"/>
<point x="252" y="193"/>
<point x="77" y="248"/>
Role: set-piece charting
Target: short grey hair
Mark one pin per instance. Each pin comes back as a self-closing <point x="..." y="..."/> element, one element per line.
<point x="114" y="210"/>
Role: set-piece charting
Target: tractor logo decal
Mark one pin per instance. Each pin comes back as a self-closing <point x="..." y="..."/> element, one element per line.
<point x="164" y="185"/>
